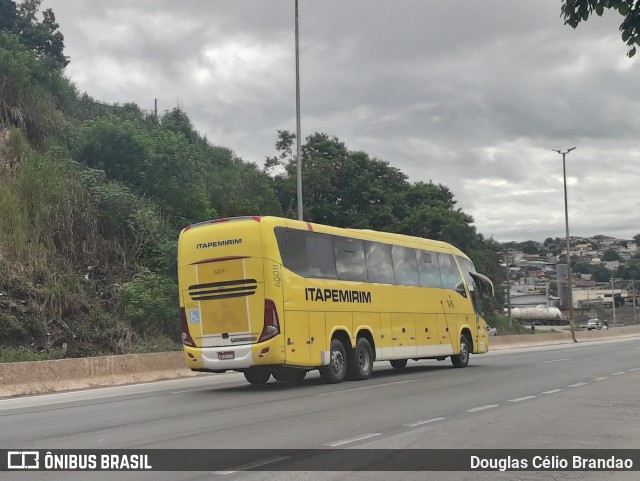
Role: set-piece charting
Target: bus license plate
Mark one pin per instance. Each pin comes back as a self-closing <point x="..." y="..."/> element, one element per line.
<point x="226" y="355"/>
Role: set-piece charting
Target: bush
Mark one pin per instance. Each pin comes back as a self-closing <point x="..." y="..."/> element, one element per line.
<point x="150" y="303"/>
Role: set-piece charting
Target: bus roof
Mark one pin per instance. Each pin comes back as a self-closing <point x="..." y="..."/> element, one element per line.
<point x="416" y="242"/>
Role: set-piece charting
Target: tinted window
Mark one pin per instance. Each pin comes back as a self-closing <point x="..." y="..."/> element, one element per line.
<point x="350" y="264"/>
<point x="292" y="251"/>
<point x="320" y="255"/>
<point x="449" y="272"/>
<point x="405" y="266"/>
<point x="466" y="266"/>
<point x="378" y="260"/>
<point x="429" y="269"/>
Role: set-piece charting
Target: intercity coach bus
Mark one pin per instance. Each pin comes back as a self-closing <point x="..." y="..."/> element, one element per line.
<point x="268" y="296"/>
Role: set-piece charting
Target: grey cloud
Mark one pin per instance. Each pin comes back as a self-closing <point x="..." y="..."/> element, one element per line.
<point x="469" y="94"/>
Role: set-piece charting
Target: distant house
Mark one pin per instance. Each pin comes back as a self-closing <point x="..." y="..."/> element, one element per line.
<point x="611" y="265"/>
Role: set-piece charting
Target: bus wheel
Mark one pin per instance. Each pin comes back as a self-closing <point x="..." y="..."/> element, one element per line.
<point x="287" y="374"/>
<point x="360" y="363"/>
<point x="462" y="359"/>
<point x="398" y="363"/>
<point x="256" y="375"/>
<point x="336" y="371"/>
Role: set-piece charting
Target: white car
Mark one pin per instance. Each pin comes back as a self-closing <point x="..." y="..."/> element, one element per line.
<point x="491" y="331"/>
<point x="594" y="324"/>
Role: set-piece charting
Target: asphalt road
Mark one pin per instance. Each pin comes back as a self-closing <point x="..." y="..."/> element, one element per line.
<point x="571" y="396"/>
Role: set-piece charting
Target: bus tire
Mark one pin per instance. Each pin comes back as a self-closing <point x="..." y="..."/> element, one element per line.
<point x="257" y="375"/>
<point x="360" y="361"/>
<point x="462" y="359"/>
<point x="336" y="371"/>
<point x="398" y="363"/>
<point x="289" y="374"/>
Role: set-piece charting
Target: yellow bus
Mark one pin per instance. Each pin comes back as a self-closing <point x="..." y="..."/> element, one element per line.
<point x="268" y="296"/>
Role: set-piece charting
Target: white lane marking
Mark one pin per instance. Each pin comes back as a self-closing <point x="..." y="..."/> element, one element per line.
<point x="617" y="373"/>
<point x="634" y="369"/>
<point x="578" y="384"/>
<point x="554" y="360"/>
<point x="552" y="391"/>
<point x="420" y="423"/>
<point x="365" y="387"/>
<point x="482" y="408"/>
<point x="255" y="464"/>
<point x="601" y="378"/>
<point x="352" y="440"/>
<point x="518" y="399"/>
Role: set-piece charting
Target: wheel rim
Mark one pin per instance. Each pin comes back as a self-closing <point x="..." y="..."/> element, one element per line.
<point x="337" y="361"/>
<point x="464" y="350"/>
<point x="363" y="360"/>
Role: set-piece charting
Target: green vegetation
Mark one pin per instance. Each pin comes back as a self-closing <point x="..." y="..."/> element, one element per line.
<point x="93" y="197"/>
<point x="576" y="11"/>
<point x="501" y="323"/>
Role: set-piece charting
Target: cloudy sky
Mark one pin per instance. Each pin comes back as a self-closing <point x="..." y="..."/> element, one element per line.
<point x="470" y="94"/>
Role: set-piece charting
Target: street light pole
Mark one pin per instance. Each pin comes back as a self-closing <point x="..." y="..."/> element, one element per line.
<point x="566" y="220"/>
<point x="298" y="140"/>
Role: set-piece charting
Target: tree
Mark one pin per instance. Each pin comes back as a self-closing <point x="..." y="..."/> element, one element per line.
<point x="610" y="255"/>
<point x="576" y="11"/>
<point x="8" y="15"/>
<point x="601" y="273"/>
<point x="530" y="247"/>
<point x="630" y="270"/>
<point x="341" y="187"/>
<point x="42" y="38"/>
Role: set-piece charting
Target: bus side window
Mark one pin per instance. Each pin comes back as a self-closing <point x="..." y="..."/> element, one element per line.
<point x="320" y="256"/>
<point x="350" y="265"/>
<point x="405" y="266"/>
<point x="429" y="269"/>
<point x="379" y="264"/>
<point x="450" y="274"/>
<point x="292" y="250"/>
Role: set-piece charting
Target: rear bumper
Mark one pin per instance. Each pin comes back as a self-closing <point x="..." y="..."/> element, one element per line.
<point x="244" y="356"/>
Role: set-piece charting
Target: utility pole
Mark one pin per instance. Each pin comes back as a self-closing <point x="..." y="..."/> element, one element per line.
<point x="633" y="289"/>
<point x="508" y="288"/>
<point x="298" y="134"/>
<point x="613" y="302"/>
<point x="566" y="221"/>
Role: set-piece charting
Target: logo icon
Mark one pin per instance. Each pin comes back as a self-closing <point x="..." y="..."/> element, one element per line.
<point x="194" y="317"/>
<point x="23" y="460"/>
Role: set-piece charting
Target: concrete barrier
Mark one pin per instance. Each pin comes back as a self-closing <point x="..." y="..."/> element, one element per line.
<point x="544" y="339"/>
<point x="38" y="377"/>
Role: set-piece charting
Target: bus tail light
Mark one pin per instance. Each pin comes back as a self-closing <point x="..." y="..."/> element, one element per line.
<point x="271" y="323"/>
<point x="187" y="340"/>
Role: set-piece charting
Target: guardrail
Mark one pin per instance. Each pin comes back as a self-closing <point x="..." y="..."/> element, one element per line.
<point x="38" y="377"/>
